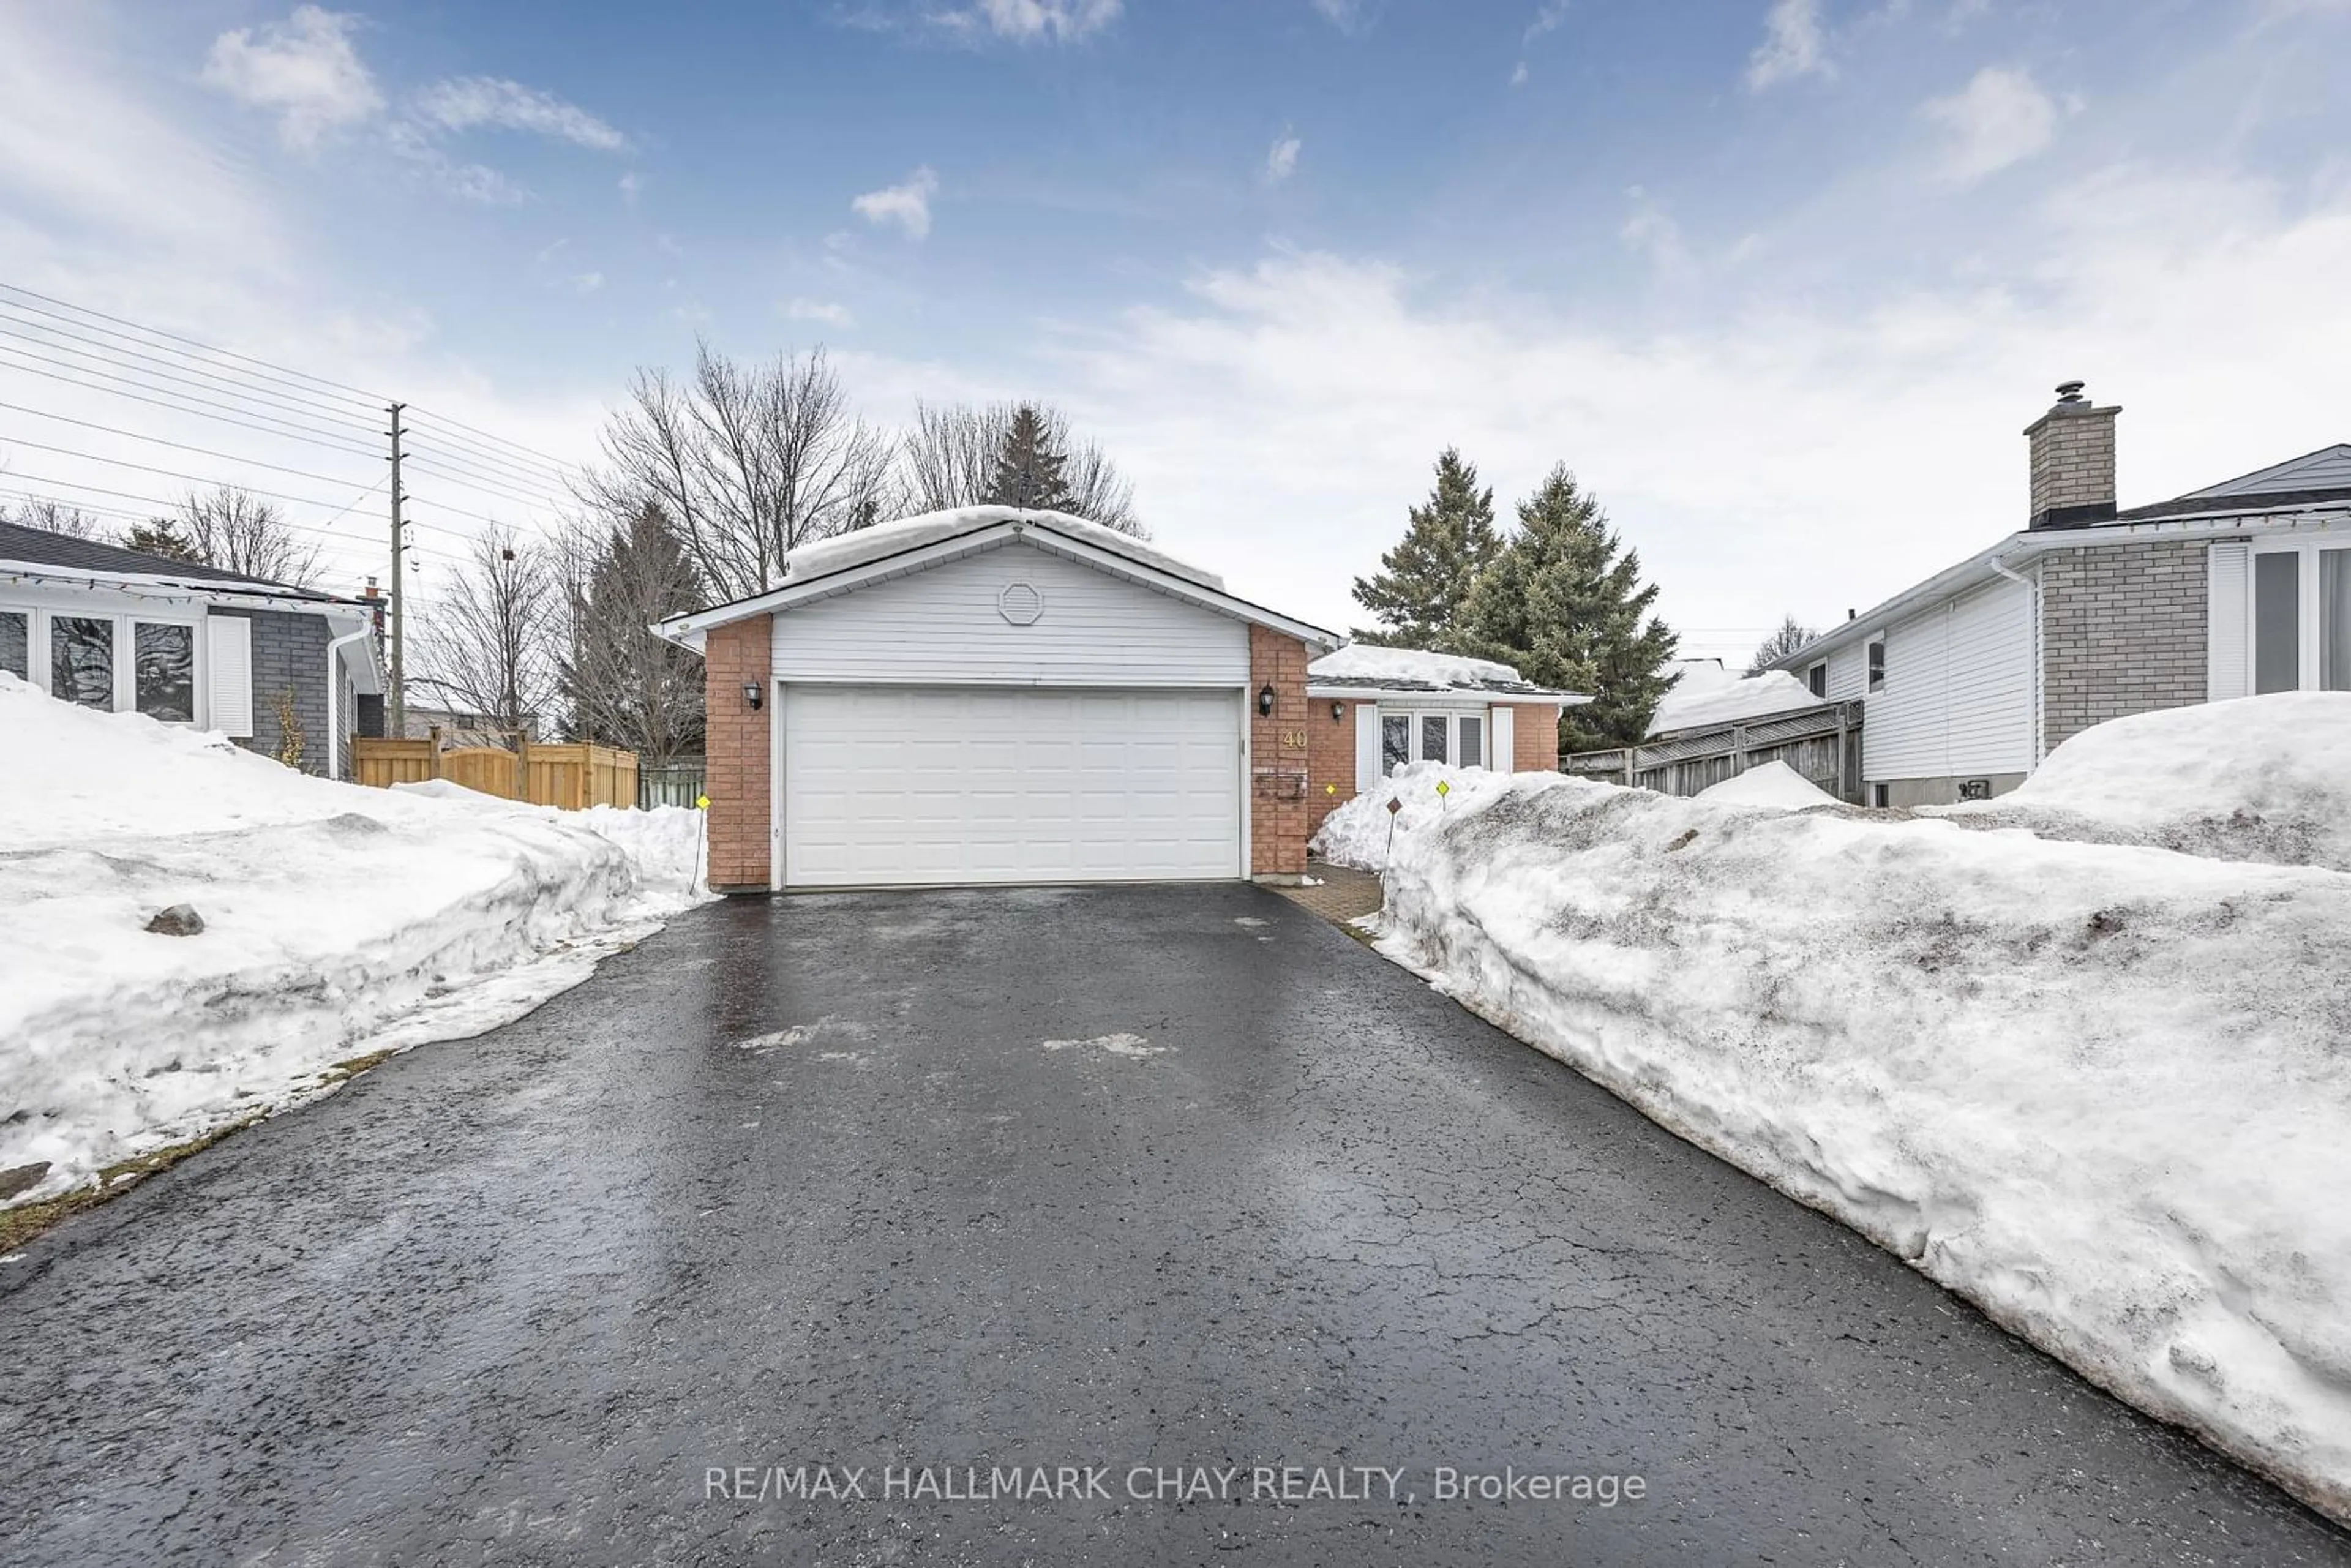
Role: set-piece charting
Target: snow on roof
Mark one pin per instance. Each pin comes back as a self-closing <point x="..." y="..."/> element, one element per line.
<point x="843" y="551"/>
<point x="1410" y="667"/>
<point x="40" y="551"/>
<point x="1708" y="694"/>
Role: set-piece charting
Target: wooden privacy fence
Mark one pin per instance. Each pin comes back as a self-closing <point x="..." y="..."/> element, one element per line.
<point x="573" y="775"/>
<point x="1823" y="742"/>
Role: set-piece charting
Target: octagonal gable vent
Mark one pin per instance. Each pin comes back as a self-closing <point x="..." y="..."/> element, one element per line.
<point x="1020" y="604"/>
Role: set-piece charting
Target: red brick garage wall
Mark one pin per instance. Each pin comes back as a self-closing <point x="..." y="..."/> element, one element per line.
<point x="739" y="753"/>
<point x="1281" y="754"/>
<point x="1534" y="737"/>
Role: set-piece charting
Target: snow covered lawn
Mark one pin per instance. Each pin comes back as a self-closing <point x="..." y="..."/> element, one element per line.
<point x="2095" y="1076"/>
<point x="339" y="922"/>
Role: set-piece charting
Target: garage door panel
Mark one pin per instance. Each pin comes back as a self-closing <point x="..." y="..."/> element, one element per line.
<point x="909" y="786"/>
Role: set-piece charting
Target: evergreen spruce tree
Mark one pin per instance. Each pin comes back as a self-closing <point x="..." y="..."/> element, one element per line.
<point x="1564" y="605"/>
<point x="1423" y="586"/>
<point x="624" y="684"/>
<point x="160" y="536"/>
<point x="1028" y="469"/>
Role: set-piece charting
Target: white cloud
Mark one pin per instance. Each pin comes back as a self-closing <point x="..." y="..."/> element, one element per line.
<point x="1651" y="230"/>
<point x="1282" y="158"/>
<point x="303" y="69"/>
<point x="1795" y="45"/>
<point x="824" y="311"/>
<point x="466" y="103"/>
<point x="1034" y="21"/>
<point x="1344" y="15"/>
<point x="476" y="182"/>
<point x="2000" y="118"/>
<point x="1548" y="18"/>
<point x="1261" y="424"/>
<point x="907" y="206"/>
<point x="1519" y="74"/>
<point x="632" y="186"/>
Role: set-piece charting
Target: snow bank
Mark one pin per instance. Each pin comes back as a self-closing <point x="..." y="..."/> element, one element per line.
<point x="338" y="921"/>
<point x="1358" y="833"/>
<point x="1708" y="694"/>
<point x="2098" y="1089"/>
<point x="845" y="550"/>
<point x="2260" y="778"/>
<point x="1364" y="662"/>
<point x="1771" y="784"/>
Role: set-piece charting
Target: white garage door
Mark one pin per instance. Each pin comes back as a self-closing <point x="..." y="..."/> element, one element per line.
<point x="914" y="784"/>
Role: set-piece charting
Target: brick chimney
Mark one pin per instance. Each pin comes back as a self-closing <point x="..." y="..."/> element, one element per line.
<point x="2072" y="462"/>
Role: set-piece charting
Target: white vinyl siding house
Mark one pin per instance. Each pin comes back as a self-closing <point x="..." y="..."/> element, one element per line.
<point x="1066" y="624"/>
<point x="1958" y="699"/>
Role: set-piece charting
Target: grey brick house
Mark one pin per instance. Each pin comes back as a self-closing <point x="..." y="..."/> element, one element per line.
<point x="2089" y="613"/>
<point x="122" y="630"/>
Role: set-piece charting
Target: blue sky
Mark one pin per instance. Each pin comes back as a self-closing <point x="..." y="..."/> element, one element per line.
<point x="1781" y="279"/>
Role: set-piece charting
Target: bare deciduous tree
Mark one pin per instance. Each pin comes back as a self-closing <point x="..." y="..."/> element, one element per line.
<point x="237" y="531"/>
<point x="951" y="456"/>
<point x="487" y="640"/>
<point x="749" y="462"/>
<point x="1785" y="639"/>
<point x="55" y="517"/>
<point x="622" y="685"/>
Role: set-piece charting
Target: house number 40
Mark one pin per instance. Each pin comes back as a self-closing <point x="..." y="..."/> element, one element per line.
<point x="1294" y="740"/>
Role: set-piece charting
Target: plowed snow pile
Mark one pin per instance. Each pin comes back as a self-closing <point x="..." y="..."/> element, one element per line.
<point x="338" y="921"/>
<point x="2101" y="1088"/>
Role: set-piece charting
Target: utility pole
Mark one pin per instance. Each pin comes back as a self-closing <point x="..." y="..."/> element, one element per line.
<point x="399" y="725"/>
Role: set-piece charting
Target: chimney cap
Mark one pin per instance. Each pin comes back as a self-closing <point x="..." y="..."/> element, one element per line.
<point x="2070" y="392"/>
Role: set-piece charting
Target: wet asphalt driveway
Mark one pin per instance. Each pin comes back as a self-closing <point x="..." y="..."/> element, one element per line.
<point x="1158" y="1177"/>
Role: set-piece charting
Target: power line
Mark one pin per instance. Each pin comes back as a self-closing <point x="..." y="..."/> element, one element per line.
<point x="532" y="452"/>
<point x="166" y="370"/>
<point x="274" y="428"/>
<point x="343" y="539"/>
<point x="465" y="462"/>
<point x="157" y="440"/>
<point x="371" y="399"/>
<point x="177" y="474"/>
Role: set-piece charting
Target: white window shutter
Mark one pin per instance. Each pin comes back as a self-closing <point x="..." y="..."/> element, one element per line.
<point x="1502" y="738"/>
<point x="1367" y="747"/>
<point x="228" y="679"/>
<point x="2228" y="636"/>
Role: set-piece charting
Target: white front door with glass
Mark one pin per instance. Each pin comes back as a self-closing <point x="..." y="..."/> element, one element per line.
<point x="1458" y="738"/>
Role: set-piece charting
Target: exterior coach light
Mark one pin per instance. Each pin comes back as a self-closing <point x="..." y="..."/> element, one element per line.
<point x="751" y="695"/>
<point x="1338" y="710"/>
<point x="1265" y="700"/>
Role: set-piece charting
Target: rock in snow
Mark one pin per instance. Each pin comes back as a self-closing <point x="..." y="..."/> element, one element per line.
<point x="2095" y="1085"/>
<point x="337" y="921"/>
<point x="180" y="920"/>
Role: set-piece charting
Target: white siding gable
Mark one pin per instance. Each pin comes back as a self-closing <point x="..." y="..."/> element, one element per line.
<point x="1958" y="697"/>
<point x="1849" y="672"/>
<point x="947" y="625"/>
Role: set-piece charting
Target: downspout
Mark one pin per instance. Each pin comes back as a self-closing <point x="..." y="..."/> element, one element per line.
<point x="334" y="697"/>
<point x="2032" y="609"/>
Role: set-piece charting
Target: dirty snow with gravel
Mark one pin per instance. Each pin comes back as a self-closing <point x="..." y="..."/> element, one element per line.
<point x="2100" y="1088"/>
<point x="338" y="922"/>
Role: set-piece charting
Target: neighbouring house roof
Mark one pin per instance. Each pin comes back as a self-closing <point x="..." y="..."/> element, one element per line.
<point x="2301" y="492"/>
<point x="853" y="560"/>
<point x="1704" y="694"/>
<point x="1366" y="670"/>
<point x="38" y="552"/>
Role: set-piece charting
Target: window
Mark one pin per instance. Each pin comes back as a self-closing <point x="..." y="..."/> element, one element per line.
<point x="1817" y="678"/>
<point x="17" y="643"/>
<point x="82" y="660"/>
<point x="1472" y="747"/>
<point x="2335" y="620"/>
<point x="163" y="670"/>
<point x="2277" y="620"/>
<point x="1878" y="793"/>
<point x="1395" y="742"/>
<point x="1877" y="662"/>
<point x="1432" y="737"/>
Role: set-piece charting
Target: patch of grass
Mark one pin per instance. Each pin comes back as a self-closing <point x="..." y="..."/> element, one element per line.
<point x="343" y="1070"/>
<point x="27" y="1221"/>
